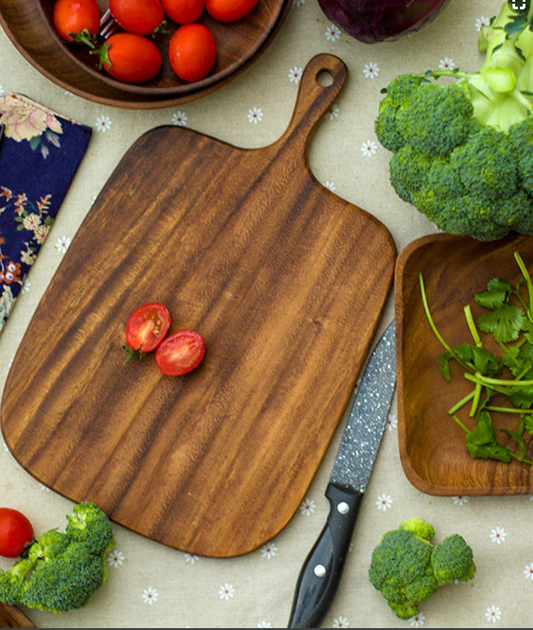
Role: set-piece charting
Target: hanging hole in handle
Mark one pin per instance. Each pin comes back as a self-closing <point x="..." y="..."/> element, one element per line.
<point x="324" y="78"/>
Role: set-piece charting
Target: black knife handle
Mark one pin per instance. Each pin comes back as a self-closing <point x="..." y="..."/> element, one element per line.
<point x="322" y="570"/>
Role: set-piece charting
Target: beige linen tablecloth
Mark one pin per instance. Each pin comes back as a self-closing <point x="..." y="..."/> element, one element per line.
<point x="154" y="586"/>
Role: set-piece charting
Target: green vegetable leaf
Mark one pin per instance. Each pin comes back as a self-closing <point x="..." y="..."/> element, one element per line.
<point x="444" y="365"/>
<point x="528" y="422"/>
<point x="505" y="323"/>
<point x="522" y="399"/>
<point x="483" y="434"/>
<point x="495" y="296"/>
<point x="518" y="439"/>
<point x="518" y="360"/>
<point x="492" y="451"/>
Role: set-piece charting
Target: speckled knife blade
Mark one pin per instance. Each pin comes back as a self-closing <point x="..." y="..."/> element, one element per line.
<point x="368" y="417"/>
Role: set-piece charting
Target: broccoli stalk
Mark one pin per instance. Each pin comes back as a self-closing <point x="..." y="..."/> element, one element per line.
<point x="408" y="569"/>
<point x="62" y="570"/>
<point x="463" y="151"/>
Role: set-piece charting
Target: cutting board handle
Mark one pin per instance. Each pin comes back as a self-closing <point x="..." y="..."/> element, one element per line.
<point x="322" y="80"/>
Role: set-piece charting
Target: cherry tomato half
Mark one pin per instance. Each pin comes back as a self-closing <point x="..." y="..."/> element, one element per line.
<point x="229" y="10"/>
<point x="131" y="58"/>
<point x="137" y="16"/>
<point x="77" y="20"/>
<point x="184" y="11"/>
<point x="180" y="353"/>
<point x="192" y="52"/>
<point x="146" y="328"/>
<point x="15" y="531"/>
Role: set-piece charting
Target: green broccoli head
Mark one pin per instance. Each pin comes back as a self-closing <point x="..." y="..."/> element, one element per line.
<point x="62" y="570"/>
<point x="408" y="569"/>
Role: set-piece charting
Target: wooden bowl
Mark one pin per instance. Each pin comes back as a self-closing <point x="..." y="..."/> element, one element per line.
<point x="23" y="22"/>
<point x="236" y="44"/>
<point x="432" y="445"/>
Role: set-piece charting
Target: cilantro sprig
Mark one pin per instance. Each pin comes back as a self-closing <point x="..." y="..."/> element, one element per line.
<point x="509" y="320"/>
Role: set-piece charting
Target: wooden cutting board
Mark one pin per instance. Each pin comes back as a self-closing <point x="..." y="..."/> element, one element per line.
<point x="285" y="280"/>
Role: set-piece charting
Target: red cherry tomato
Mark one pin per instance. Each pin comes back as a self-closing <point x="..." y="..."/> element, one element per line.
<point x="137" y="16"/>
<point x="146" y="328"/>
<point x="76" y="17"/>
<point x="180" y="353"/>
<point x="15" y="531"/>
<point x="131" y="58"/>
<point x="192" y="52"/>
<point x="184" y="11"/>
<point x="229" y="10"/>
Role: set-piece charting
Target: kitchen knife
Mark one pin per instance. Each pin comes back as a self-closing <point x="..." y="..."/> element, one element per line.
<point x="321" y="573"/>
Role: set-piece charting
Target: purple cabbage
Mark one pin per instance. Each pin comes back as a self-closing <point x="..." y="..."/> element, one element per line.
<point x="373" y="21"/>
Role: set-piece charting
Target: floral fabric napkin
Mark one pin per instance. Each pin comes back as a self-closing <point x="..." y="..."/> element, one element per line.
<point x="40" y="153"/>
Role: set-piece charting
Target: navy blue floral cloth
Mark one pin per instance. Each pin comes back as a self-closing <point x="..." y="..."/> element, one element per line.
<point x="40" y="153"/>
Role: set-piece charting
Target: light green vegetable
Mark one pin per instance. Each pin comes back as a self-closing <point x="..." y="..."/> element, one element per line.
<point x="463" y="152"/>
<point x="61" y="571"/>
<point x="408" y="569"/>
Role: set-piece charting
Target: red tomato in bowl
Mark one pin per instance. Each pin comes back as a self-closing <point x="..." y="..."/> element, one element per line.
<point x="131" y="58"/>
<point x="15" y="531"/>
<point x="146" y="328"/>
<point x="180" y="353"/>
<point x="192" y="52"/>
<point x="184" y="11"/>
<point x="79" y="18"/>
<point x="137" y="16"/>
<point x="229" y="10"/>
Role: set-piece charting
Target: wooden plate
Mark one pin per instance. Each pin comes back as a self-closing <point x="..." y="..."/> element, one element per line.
<point x="23" y="23"/>
<point x="432" y="446"/>
<point x="236" y="44"/>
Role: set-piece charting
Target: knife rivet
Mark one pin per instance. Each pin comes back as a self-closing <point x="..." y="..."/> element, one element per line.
<point x="343" y="507"/>
<point x="320" y="570"/>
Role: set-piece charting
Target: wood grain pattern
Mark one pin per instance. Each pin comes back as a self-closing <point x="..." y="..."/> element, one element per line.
<point x="12" y="617"/>
<point x="285" y="280"/>
<point x="24" y="24"/>
<point x="432" y="448"/>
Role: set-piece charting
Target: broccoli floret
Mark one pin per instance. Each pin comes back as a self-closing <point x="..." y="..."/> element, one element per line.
<point x="62" y="570"/>
<point x="408" y="569"/>
<point x="463" y="152"/>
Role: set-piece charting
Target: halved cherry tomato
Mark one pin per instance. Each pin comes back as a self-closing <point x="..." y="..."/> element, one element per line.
<point x="192" y="52"/>
<point x="77" y="20"/>
<point x="15" y="531"/>
<point x="180" y="353"/>
<point x="229" y="10"/>
<point x="146" y="328"/>
<point x="137" y="16"/>
<point x="129" y="57"/>
<point x="184" y="11"/>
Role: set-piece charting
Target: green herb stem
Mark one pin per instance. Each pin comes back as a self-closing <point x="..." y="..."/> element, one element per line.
<point x="506" y="409"/>
<point x="485" y="380"/>
<point x="472" y="326"/>
<point x="461" y="424"/>
<point x="529" y="284"/>
<point x="462" y="402"/>
<point x="477" y="396"/>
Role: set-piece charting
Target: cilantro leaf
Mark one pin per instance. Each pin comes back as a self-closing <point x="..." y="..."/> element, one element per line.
<point x="518" y="439"/>
<point x="528" y="422"/>
<point x="518" y="360"/>
<point x="495" y="296"/>
<point x="522" y="399"/>
<point x="490" y="451"/>
<point x="444" y="365"/>
<point x="505" y="323"/>
<point x="479" y="358"/>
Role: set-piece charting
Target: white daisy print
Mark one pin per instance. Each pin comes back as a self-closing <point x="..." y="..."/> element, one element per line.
<point x="191" y="558"/>
<point x="460" y="500"/>
<point x="4" y="447"/>
<point x="528" y="571"/>
<point x="115" y="559"/>
<point x="103" y="124"/>
<point x="498" y="535"/>
<point x="384" y="502"/>
<point x="255" y="115"/>
<point x="264" y="624"/>
<point x="26" y="285"/>
<point x="44" y="488"/>
<point x="493" y="613"/>
<point x="295" y="74"/>
<point x="269" y="551"/>
<point x="371" y="70"/>
<point x="150" y="596"/>
<point x="330" y="186"/>
<point x="481" y="22"/>
<point x="69" y="94"/>
<point x="417" y="620"/>
<point x="180" y="119"/>
<point x="369" y="148"/>
<point x="63" y="244"/>
<point x="333" y="33"/>
<point x="333" y="112"/>
<point x="392" y="422"/>
<point x="226" y="592"/>
<point x="340" y="622"/>
<point x="447" y="64"/>
<point x="308" y="507"/>
<point x="2" y="92"/>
